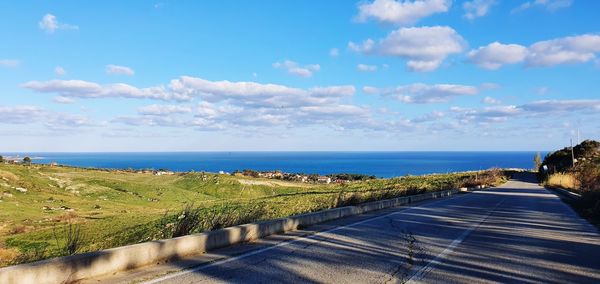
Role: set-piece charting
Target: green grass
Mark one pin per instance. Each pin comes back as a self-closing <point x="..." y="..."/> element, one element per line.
<point x="115" y="208"/>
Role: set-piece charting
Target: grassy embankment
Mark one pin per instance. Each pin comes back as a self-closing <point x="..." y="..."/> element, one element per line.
<point x="583" y="177"/>
<point x="53" y="211"/>
<point x="562" y="180"/>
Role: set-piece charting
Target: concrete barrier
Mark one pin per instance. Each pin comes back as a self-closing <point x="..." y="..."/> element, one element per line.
<point x="76" y="267"/>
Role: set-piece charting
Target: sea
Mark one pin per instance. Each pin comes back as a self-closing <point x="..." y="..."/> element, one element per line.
<point x="379" y="164"/>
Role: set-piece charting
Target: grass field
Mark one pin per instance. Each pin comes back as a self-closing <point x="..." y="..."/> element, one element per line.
<point x="104" y="209"/>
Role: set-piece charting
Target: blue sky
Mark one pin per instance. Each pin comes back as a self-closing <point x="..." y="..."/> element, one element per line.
<point x="301" y="75"/>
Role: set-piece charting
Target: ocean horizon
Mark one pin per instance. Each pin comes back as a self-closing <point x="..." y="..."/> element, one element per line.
<point x="383" y="164"/>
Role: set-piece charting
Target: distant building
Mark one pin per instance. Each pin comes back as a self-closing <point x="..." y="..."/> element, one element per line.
<point x="322" y="179"/>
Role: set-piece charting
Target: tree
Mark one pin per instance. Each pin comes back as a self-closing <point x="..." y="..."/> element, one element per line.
<point x="1" y="159"/>
<point x="537" y="161"/>
<point x="27" y="160"/>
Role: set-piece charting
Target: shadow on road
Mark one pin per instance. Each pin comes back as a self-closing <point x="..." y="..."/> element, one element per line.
<point x="526" y="239"/>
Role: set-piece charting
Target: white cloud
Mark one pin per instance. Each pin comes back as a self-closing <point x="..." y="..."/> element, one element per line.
<point x="334" y="52"/>
<point x="119" y="70"/>
<point x="231" y="105"/>
<point x="63" y="100"/>
<point x="11" y="63"/>
<point x="163" y="109"/>
<point x="366" y="68"/>
<point x="257" y="94"/>
<point x="50" y="24"/>
<point x="424" y="48"/>
<point x="58" y="70"/>
<point x="490" y="101"/>
<point x="85" y="89"/>
<point x="28" y="114"/>
<point x="477" y="8"/>
<point x="21" y="114"/>
<point x="496" y="54"/>
<point x="432" y="116"/>
<point x="425" y="94"/>
<point x="487" y="114"/>
<point x="295" y="69"/>
<point x="186" y="88"/>
<point x="566" y="50"/>
<point x="544" y="108"/>
<point x="402" y="12"/>
<point x="562" y="106"/>
<point x="550" y="5"/>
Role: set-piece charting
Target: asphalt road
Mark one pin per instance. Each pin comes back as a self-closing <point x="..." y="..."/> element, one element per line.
<point x="516" y="233"/>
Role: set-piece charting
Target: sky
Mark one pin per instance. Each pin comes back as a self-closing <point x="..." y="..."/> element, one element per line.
<point x="383" y="75"/>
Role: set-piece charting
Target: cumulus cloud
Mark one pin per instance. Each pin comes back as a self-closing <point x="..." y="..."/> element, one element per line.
<point x="424" y="48"/>
<point x="85" y="89"/>
<point x="63" y="100"/>
<point x="257" y="94"/>
<point x="11" y="63"/>
<point x="186" y="88"/>
<point x="230" y="105"/>
<point x="495" y="55"/>
<point x="366" y="68"/>
<point x="401" y="12"/>
<point x="487" y="114"/>
<point x="477" y="8"/>
<point x="119" y="70"/>
<point x="432" y="116"/>
<point x="566" y="50"/>
<point x="425" y="94"/>
<point x="28" y="114"/>
<point x="490" y="101"/>
<point x="550" y="5"/>
<point x="545" y="108"/>
<point x="20" y="114"/>
<point x="50" y="24"/>
<point x="163" y="109"/>
<point x="560" y="106"/>
<point x="295" y="69"/>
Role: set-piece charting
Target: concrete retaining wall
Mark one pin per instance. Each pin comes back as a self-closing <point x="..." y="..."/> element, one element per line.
<point x="72" y="268"/>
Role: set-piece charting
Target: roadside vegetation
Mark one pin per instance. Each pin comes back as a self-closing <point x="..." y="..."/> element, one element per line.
<point x="577" y="170"/>
<point x="48" y="211"/>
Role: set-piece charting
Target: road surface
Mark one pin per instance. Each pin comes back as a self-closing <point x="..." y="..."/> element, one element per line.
<point x="516" y="233"/>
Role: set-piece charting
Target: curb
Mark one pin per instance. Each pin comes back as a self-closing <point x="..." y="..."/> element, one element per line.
<point x="93" y="264"/>
<point x="564" y="193"/>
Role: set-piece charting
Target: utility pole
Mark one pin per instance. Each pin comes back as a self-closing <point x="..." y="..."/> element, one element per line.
<point x="572" y="154"/>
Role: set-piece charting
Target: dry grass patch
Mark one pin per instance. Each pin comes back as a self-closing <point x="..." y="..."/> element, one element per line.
<point x="8" y="176"/>
<point x="563" y="180"/>
<point x="7" y="255"/>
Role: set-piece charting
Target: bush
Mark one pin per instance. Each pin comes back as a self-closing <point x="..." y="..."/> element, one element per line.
<point x="69" y="240"/>
<point x="197" y="219"/>
<point x="588" y="176"/>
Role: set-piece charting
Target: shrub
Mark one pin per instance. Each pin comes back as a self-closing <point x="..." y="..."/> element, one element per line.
<point x="70" y="239"/>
